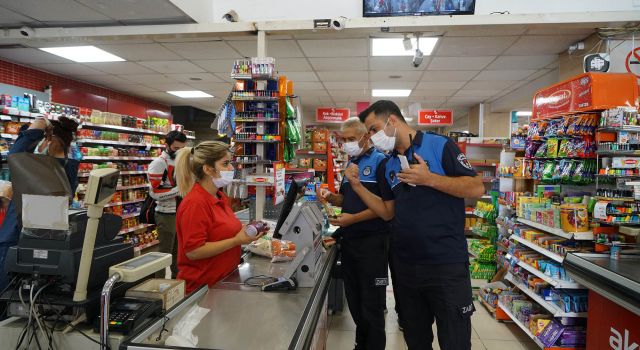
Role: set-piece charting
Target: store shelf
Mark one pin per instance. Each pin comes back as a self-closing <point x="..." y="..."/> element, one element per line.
<point x="122" y="128"/>
<point x="117" y="158"/>
<point x="537" y="248"/>
<point x="263" y="120"/>
<point x="122" y="173"/>
<point x="263" y="99"/>
<point x="256" y="141"/>
<point x="121" y="188"/>
<point x="146" y="246"/>
<point x="252" y="77"/>
<point x="132" y="215"/>
<point x="14" y="112"/>
<point x="619" y="153"/>
<point x="124" y="203"/>
<point x="617" y="223"/>
<point x="635" y="128"/>
<point x="301" y="170"/>
<point x="524" y="328"/>
<point x="549" y="306"/>
<point x="135" y="228"/>
<point x="552" y="281"/>
<point x="581" y="236"/>
<point x="617" y="176"/>
<point x="489" y="145"/>
<point x="118" y="143"/>
<point x="600" y="198"/>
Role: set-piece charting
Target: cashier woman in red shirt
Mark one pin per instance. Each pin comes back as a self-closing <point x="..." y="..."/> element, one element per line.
<point x="209" y="234"/>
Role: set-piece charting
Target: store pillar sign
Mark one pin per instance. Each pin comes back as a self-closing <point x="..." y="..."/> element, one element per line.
<point x="332" y="115"/>
<point x="597" y="62"/>
<point x="279" y="185"/>
<point x="442" y="117"/>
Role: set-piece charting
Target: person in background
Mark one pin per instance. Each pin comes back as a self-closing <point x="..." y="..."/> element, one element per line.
<point x="209" y="234"/>
<point x="52" y="138"/>
<point x="426" y="205"/>
<point x="363" y="239"/>
<point x="163" y="189"/>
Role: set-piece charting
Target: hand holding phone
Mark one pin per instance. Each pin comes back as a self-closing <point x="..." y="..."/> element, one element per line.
<point x="404" y="164"/>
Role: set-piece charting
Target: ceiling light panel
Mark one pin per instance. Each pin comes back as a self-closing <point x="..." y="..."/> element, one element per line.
<point x="390" y="92"/>
<point x="395" y="47"/>
<point x="83" y="54"/>
<point x="190" y="94"/>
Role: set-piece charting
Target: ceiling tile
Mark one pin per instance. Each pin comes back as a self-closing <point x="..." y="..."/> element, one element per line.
<point x="476" y="93"/>
<point x="460" y="63"/>
<point x="426" y="101"/>
<point x="557" y="30"/>
<point x="275" y="48"/>
<point x="334" y="48"/>
<point x="58" y="11"/>
<point x="307" y="85"/>
<point x="120" y="67"/>
<point x="489" y="85"/>
<point x="132" y="88"/>
<point x="300" y="76"/>
<point x="392" y="63"/>
<point x="541" y="73"/>
<point x="392" y="85"/>
<point x="172" y="66"/>
<point x="133" y="10"/>
<point x="440" y="85"/>
<point x="106" y="79"/>
<point x="9" y="18"/>
<point x="305" y="94"/>
<point x="522" y="62"/>
<point x="141" y="52"/>
<point x="542" y="45"/>
<point x="73" y="69"/>
<point x="344" y="85"/>
<point x="354" y="76"/>
<point x="448" y="75"/>
<point x="293" y="64"/>
<point x="169" y="87"/>
<point x="346" y="94"/>
<point x="217" y="66"/>
<point x="474" y="46"/>
<point x="338" y="63"/>
<point x="225" y="77"/>
<point x="377" y="75"/>
<point x="504" y="74"/>
<point x="212" y="86"/>
<point x="31" y="56"/>
<point x="203" y="77"/>
<point x="434" y="92"/>
<point x="190" y="39"/>
<point x="148" y="78"/>
<point x="203" y="50"/>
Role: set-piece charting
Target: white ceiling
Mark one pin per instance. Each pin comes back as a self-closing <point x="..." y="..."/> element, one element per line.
<point x="69" y="13"/>
<point x="328" y="69"/>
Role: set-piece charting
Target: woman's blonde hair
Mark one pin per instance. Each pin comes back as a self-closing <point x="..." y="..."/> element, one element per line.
<point x="191" y="160"/>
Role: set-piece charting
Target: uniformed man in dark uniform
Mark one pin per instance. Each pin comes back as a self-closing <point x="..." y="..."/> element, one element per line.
<point x="364" y="240"/>
<point x="426" y="205"/>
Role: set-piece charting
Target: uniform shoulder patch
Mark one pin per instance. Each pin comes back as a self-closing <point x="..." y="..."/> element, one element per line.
<point x="366" y="171"/>
<point x="462" y="159"/>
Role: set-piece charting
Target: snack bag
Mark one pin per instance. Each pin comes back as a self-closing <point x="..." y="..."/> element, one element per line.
<point x="552" y="148"/>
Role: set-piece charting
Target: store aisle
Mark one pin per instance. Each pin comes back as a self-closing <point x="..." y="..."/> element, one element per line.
<point x="488" y="334"/>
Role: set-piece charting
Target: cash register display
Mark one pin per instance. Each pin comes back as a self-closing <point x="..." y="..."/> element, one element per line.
<point x="135" y="263"/>
<point x="107" y="187"/>
<point x="292" y="195"/>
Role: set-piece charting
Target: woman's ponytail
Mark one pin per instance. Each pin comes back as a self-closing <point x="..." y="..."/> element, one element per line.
<point x="184" y="176"/>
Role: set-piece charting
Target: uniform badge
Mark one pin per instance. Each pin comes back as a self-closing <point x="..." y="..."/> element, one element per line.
<point x="464" y="162"/>
<point x="366" y="171"/>
<point x="392" y="176"/>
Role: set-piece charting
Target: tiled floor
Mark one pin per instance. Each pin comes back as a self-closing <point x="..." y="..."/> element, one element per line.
<point x="488" y="334"/>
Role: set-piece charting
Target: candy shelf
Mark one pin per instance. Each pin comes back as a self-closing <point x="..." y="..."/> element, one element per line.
<point x="124" y="203"/>
<point x="117" y="158"/>
<point x="537" y="248"/>
<point x="122" y="173"/>
<point x="256" y="141"/>
<point x="549" y="306"/>
<point x="119" y="143"/>
<point x="249" y="120"/>
<point x="121" y="128"/>
<point x="257" y="99"/>
<point x="146" y="246"/>
<point x="582" y="236"/>
<point x="552" y="281"/>
<point x="600" y="198"/>
<point x="524" y="328"/>
<point x="131" y="215"/>
<point x="121" y="188"/>
<point x="135" y="228"/>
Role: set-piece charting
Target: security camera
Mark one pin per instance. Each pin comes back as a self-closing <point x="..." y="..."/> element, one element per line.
<point x="338" y="23"/>
<point x="231" y="16"/>
<point x="418" y="57"/>
<point x="27" y="32"/>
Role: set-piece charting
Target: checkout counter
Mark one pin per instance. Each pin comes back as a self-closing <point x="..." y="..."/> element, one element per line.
<point x="614" y="298"/>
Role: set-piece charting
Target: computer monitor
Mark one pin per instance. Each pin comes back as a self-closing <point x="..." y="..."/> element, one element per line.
<point x="295" y="188"/>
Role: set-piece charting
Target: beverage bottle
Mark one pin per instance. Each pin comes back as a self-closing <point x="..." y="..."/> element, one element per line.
<point x="256" y="227"/>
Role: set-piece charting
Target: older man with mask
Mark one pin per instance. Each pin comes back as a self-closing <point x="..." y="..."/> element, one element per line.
<point x="364" y="240"/>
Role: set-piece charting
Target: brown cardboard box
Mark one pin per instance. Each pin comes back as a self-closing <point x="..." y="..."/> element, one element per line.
<point x="150" y="289"/>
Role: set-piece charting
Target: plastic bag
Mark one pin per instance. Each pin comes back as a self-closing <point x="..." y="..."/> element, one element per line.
<point x="276" y="249"/>
<point x="183" y="331"/>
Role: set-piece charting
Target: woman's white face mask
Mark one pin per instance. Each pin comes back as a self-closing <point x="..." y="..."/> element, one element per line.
<point x="225" y="179"/>
<point x="383" y="142"/>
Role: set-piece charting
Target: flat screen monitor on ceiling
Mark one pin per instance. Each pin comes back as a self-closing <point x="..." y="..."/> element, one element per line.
<point x="387" y="8"/>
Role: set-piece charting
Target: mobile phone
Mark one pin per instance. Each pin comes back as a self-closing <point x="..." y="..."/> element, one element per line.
<point x="404" y="164"/>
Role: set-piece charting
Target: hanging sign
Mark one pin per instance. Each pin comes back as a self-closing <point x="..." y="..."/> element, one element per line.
<point x="597" y="62"/>
<point x="332" y="115"/>
<point x="633" y="62"/>
<point x="278" y="183"/>
<point x="441" y="117"/>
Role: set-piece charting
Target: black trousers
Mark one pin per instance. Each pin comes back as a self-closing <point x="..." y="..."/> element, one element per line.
<point x="435" y="292"/>
<point x="365" y="273"/>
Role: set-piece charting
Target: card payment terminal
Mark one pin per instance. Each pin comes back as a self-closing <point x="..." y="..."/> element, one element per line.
<point x="129" y="313"/>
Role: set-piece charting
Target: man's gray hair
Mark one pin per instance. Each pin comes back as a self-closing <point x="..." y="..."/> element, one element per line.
<point x="356" y="124"/>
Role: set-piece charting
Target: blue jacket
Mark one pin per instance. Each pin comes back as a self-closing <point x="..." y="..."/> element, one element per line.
<point x="26" y="142"/>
